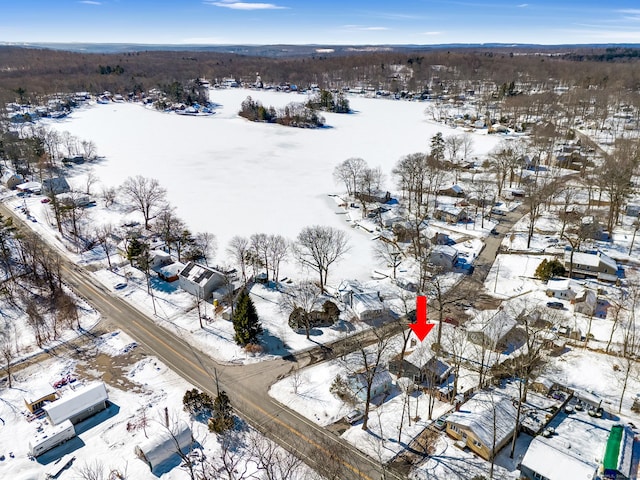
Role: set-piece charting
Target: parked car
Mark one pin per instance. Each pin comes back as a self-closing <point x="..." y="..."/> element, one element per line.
<point x="556" y="305"/>
<point x="119" y="286"/>
<point x="354" y="416"/>
<point x="440" y="422"/>
<point x="45" y="200"/>
<point x="497" y="211"/>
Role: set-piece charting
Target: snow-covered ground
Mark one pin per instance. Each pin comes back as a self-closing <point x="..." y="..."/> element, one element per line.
<point x="107" y="440"/>
<point x="229" y="176"/>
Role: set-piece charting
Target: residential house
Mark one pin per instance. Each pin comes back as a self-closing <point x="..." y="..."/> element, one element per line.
<point x="366" y="304"/>
<point x="78" y="405"/>
<point x="55" y="186"/>
<point x="444" y="256"/>
<point x="12" y="180"/>
<point x="170" y="273"/>
<point x="591" y="264"/>
<point x="381" y="383"/>
<point x="30" y="187"/>
<point x="573" y="450"/>
<point x="36" y="398"/>
<point x="562" y="288"/>
<point x="159" y="259"/>
<point x="487" y="419"/>
<point x="632" y="210"/>
<point x="200" y="280"/>
<point x="491" y="329"/>
<point x="585" y="302"/>
<point x="441" y="239"/>
<point x="374" y="197"/>
<point x="452" y="191"/>
<point x="422" y="365"/>
<point x="450" y="214"/>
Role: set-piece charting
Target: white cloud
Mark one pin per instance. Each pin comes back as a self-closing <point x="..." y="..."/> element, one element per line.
<point x="364" y="28"/>
<point x="90" y="2"/>
<point x="523" y="5"/>
<point x="431" y="33"/>
<point x="232" y="4"/>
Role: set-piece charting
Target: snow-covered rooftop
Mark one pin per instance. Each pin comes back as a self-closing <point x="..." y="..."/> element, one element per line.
<point x="74" y="403"/>
<point x="478" y="416"/>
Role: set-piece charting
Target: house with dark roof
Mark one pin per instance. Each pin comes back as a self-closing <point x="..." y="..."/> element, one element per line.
<point x="55" y="186"/>
<point x="200" y="280"/>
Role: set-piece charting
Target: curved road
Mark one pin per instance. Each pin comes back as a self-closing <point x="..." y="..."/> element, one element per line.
<point x="246" y="385"/>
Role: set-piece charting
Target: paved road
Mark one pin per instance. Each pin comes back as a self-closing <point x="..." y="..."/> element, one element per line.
<point x="247" y="386"/>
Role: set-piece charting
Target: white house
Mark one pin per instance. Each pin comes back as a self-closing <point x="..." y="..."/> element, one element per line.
<point x="200" y="280"/>
<point x="444" y="256"/>
<point x="82" y="403"/>
<point x="381" y="383"/>
<point x="563" y="288"/>
<point x="366" y="304"/>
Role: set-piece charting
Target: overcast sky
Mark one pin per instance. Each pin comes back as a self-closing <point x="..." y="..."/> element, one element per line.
<point x="320" y="21"/>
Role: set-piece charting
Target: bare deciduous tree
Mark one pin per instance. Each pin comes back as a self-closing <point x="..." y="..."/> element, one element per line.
<point x="146" y="195"/>
<point x="348" y="172"/>
<point x="319" y="247"/>
<point x="238" y="249"/>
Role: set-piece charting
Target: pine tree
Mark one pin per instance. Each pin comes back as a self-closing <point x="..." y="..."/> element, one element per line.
<point x="245" y="321"/>
<point x="222" y="418"/>
<point x="437" y="147"/>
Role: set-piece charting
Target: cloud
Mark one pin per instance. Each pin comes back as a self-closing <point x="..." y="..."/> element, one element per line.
<point x="364" y="28"/>
<point x="90" y="2"/>
<point x="523" y="5"/>
<point x="234" y="5"/>
<point x="431" y="33"/>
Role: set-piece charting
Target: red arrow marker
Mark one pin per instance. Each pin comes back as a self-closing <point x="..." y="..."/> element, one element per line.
<point x="421" y="328"/>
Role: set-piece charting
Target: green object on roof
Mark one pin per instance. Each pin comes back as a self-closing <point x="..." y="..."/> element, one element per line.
<point x="612" y="452"/>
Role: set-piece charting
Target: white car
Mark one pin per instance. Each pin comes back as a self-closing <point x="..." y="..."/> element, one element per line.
<point x="354" y="416"/>
<point x="119" y="286"/>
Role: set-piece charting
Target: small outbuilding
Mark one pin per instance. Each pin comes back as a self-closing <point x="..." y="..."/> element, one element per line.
<point x="162" y="446"/>
<point x="78" y="405"/>
<point x="36" y="398"/>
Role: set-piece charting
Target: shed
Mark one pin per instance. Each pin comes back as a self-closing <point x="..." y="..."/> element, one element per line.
<point x="161" y="447"/>
<point x="618" y="454"/>
<point x="36" y="398"/>
<point x="78" y="405"/>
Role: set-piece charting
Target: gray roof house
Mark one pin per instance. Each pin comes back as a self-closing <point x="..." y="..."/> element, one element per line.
<point x="444" y="256"/>
<point x="199" y="280"/>
<point x="55" y="185"/>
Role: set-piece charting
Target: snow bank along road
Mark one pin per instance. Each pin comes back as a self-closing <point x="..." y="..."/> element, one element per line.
<point x="247" y="385"/>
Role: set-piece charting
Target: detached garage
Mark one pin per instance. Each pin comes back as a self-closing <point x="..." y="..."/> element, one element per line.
<point x="80" y="404"/>
<point x="161" y="447"/>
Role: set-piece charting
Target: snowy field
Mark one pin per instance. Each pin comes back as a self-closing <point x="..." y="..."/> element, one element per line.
<point x="229" y="176"/>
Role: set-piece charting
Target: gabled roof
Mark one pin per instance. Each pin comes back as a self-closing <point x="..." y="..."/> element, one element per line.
<point x="197" y="273"/>
<point x="76" y="402"/>
<point x="445" y="250"/>
<point x="477" y="415"/>
<point x="494" y="327"/>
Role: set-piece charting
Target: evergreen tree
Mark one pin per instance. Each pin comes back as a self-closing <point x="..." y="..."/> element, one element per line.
<point x="222" y="419"/>
<point x="245" y="321"/>
<point x="437" y="147"/>
<point x="549" y="269"/>
<point x="196" y="402"/>
<point x="135" y="250"/>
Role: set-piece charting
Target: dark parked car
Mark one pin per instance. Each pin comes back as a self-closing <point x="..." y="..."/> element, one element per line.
<point x="556" y="305"/>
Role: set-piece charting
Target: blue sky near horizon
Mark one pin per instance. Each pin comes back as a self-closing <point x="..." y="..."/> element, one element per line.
<point x="327" y="22"/>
